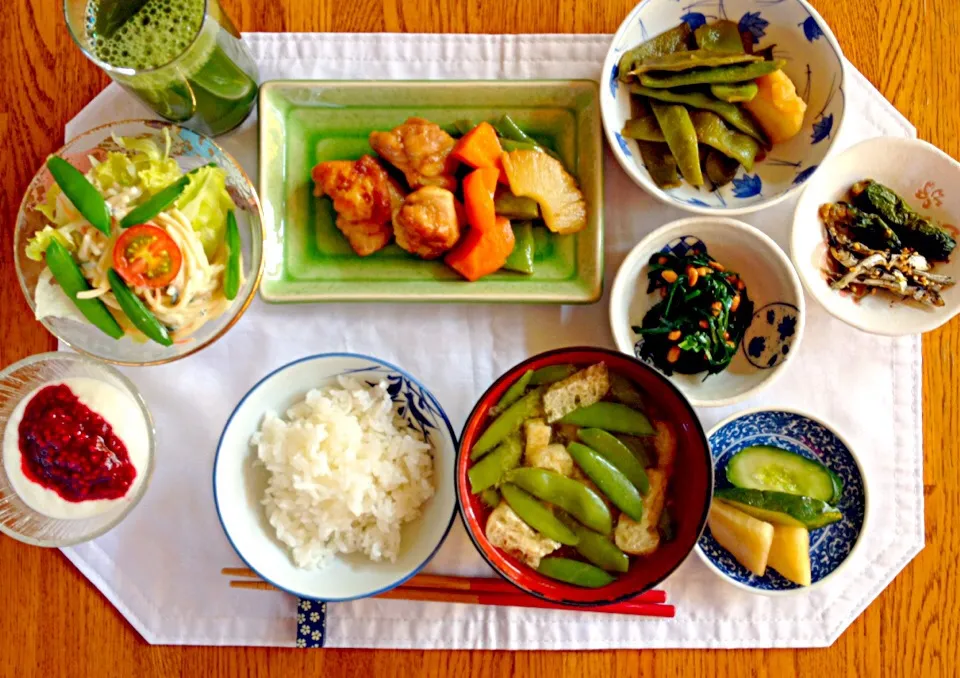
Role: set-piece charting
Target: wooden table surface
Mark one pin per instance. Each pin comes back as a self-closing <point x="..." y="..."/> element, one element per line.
<point x="53" y="622"/>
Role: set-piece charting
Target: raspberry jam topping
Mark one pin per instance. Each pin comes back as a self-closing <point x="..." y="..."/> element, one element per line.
<point x="70" y="449"/>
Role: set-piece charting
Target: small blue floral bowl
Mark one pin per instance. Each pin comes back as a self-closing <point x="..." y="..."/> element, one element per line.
<point x="814" y="63"/>
<point x="239" y="480"/>
<point x="831" y="547"/>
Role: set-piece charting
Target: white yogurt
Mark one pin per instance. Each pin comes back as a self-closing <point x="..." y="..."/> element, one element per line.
<point x="119" y="409"/>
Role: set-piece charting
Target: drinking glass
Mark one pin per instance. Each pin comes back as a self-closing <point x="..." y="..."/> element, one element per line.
<point x="210" y="86"/>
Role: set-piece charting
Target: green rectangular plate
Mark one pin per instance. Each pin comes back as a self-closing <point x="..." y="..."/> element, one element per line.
<point x="303" y="122"/>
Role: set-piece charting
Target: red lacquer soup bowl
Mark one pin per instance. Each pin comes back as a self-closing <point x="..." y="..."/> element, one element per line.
<point x="689" y="490"/>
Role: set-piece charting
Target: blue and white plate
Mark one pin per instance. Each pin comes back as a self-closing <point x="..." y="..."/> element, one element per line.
<point x="814" y="63"/>
<point x="831" y="547"/>
<point x="239" y="481"/>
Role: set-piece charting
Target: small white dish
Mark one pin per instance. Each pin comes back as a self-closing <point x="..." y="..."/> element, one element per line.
<point x="239" y="481"/>
<point x="771" y="283"/>
<point x="928" y="179"/>
<point x="832" y="548"/>
<point x="815" y="63"/>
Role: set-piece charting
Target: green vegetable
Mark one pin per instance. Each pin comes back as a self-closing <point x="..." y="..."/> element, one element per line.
<point x="516" y="390"/>
<point x="490" y="497"/>
<point x="146" y="211"/>
<point x="722" y="36"/>
<point x="720" y="169"/>
<point x="573" y="497"/>
<point x="710" y="76"/>
<point x="618" y="454"/>
<point x="674" y="40"/>
<point x="490" y="471"/>
<point x="507" y="422"/>
<point x="638" y="446"/>
<point x="615" y="486"/>
<point x="79" y="191"/>
<point x="781" y="508"/>
<point x="711" y="131"/>
<point x="139" y="314"/>
<point x="509" y="145"/>
<point x="551" y="374"/>
<point x="614" y="417"/>
<point x="144" y="166"/>
<point x="735" y="92"/>
<point x="681" y="137"/>
<point x="869" y="229"/>
<point x="524" y="249"/>
<point x="645" y="128"/>
<point x="731" y="113"/>
<point x="660" y="163"/>
<point x="763" y="467"/>
<point x="597" y="548"/>
<point x="508" y="129"/>
<point x="537" y="516"/>
<point x="511" y="206"/>
<point x="463" y="126"/>
<point x="711" y="317"/>
<point x="574" y="572"/>
<point x="40" y="241"/>
<point x="915" y="231"/>
<point x="68" y="275"/>
<point x="689" y="60"/>
<point x="231" y="274"/>
<point x="205" y="202"/>
<point x="623" y="390"/>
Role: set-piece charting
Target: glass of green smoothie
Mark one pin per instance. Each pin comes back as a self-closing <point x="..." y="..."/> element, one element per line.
<point x="183" y="58"/>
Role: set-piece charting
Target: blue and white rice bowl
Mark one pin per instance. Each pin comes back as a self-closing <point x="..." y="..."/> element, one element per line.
<point x="239" y="480"/>
<point x="815" y="63"/>
<point x="831" y="547"/>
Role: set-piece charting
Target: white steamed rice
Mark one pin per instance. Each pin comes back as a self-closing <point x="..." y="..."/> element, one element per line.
<point x="346" y="472"/>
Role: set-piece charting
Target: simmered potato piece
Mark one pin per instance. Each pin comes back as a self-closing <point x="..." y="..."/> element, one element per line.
<point x="777" y="107"/>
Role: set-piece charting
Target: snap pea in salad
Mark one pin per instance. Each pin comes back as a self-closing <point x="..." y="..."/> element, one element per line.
<point x="136" y="245"/>
<point x="575" y="468"/>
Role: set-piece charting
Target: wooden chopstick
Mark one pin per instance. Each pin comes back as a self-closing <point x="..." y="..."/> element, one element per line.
<point x="478" y="591"/>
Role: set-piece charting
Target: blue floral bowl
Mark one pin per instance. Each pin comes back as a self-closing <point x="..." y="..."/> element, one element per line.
<point x="814" y="63"/>
<point x="831" y="547"/>
<point x="239" y="480"/>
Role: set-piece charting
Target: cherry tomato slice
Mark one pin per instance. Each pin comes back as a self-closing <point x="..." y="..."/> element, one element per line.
<point x="146" y="256"/>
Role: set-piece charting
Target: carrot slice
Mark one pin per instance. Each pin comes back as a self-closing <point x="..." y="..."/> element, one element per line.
<point x="478" y="190"/>
<point x="481" y="253"/>
<point x="480" y="147"/>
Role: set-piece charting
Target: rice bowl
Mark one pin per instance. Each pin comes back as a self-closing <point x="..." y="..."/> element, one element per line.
<point x="240" y="480"/>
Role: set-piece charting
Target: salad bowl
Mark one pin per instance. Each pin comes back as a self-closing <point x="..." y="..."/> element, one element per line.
<point x="190" y="151"/>
<point x="814" y="62"/>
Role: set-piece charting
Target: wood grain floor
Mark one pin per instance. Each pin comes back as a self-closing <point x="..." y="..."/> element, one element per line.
<point x="53" y="623"/>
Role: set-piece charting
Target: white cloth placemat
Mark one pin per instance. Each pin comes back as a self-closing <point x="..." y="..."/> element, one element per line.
<point x="161" y="566"/>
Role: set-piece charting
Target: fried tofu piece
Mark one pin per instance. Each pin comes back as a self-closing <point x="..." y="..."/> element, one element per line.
<point x="554" y="457"/>
<point x="642" y="538"/>
<point x="537" y="434"/>
<point x="365" y="199"/>
<point x="428" y="223"/>
<point x="507" y="531"/>
<point x="421" y="150"/>
<point x="665" y="443"/>
<point x="581" y="389"/>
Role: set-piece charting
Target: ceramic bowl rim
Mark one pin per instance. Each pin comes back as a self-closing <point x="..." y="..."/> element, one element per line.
<point x="623" y="280"/>
<point x="936" y="319"/>
<point x="652" y="189"/>
<point x="861" y="537"/>
<point x="474" y="412"/>
<point x="274" y="373"/>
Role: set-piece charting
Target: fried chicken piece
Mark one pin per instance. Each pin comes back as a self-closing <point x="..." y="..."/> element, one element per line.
<point x="428" y="223"/>
<point x="420" y="149"/>
<point x="365" y="199"/>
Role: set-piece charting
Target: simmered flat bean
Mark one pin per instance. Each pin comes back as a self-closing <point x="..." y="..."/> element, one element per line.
<point x="644" y="129"/>
<point x="720" y="169"/>
<point x="681" y="137"/>
<point x="735" y="92"/>
<point x="729" y="112"/>
<point x="709" y="76"/>
<point x="722" y="36"/>
<point x="700" y="58"/>
<point x="712" y="132"/>
<point x="676" y="39"/>
<point x="661" y="164"/>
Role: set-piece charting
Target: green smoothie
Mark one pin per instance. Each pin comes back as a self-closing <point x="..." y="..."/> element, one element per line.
<point x="184" y="58"/>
